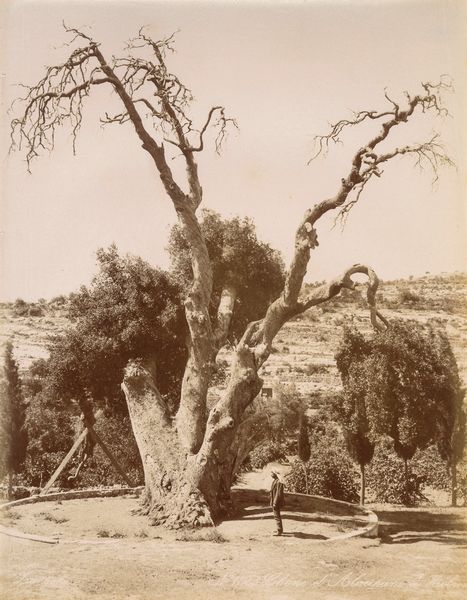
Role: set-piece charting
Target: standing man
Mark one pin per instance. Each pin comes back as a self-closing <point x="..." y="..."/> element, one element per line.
<point x="277" y="501"/>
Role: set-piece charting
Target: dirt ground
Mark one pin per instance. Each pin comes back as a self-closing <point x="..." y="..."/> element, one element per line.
<point x="106" y="554"/>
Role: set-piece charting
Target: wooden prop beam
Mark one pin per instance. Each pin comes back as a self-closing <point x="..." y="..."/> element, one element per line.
<point x="64" y="462"/>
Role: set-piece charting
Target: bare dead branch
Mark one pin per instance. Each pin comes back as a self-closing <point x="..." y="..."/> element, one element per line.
<point x="142" y="40"/>
<point x="78" y="33"/>
<point x="200" y="146"/>
<point x="120" y="118"/>
<point x="430" y="153"/>
<point x="56" y="98"/>
<point x="431" y="100"/>
<point x="367" y="161"/>
<point x="162" y="97"/>
<point x="333" y="288"/>
<point x="322" y="141"/>
<point x="222" y="125"/>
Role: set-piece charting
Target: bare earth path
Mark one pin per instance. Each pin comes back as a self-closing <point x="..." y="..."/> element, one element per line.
<point x="421" y="555"/>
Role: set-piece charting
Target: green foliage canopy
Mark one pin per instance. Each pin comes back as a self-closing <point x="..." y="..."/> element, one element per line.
<point x="239" y="260"/>
<point x="130" y="310"/>
<point x="404" y="383"/>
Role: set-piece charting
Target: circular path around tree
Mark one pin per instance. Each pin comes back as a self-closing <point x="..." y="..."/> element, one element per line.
<point x="101" y="519"/>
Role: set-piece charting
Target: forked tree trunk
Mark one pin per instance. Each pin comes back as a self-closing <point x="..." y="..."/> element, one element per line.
<point x="183" y="489"/>
<point x="188" y="485"/>
<point x="170" y="496"/>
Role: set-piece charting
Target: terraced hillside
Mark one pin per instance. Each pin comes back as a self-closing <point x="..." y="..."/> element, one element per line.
<point x="31" y="333"/>
<point x="304" y="349"/>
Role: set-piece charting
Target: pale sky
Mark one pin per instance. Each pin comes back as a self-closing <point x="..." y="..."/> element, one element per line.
<point x="284" y="70"/>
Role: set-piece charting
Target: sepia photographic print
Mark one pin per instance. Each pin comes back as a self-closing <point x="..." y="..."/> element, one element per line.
<point x="233" y="300"/>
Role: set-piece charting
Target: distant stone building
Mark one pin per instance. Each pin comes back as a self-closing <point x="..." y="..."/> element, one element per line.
<point x="267" y="393"/>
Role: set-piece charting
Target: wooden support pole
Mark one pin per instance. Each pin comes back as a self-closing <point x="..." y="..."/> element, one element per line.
<point x="64" y="462"/>
<point x="110" y="456"/>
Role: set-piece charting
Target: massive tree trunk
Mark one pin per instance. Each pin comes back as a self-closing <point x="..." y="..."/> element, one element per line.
<point x="189" y="464"/>
<point x="171" y="495"/>
<point x="184" y="489"/>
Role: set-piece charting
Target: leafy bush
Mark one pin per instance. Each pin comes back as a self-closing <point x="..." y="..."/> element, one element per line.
<point x="313" y="369"/>
<point x="330" y="472"/>
<point x="462" y="480"/>
<point x="35" y="311"/>
<point x="13" y="438"/>
<point x="58" y="301"/>
<point x="428" y="464"/>
<point x="273" y="422"/>
<point x="389" y="482"/>
<point x="50" y="430"/>
<point x="211" y="535"/>
<point x="406" y="296"/>
<point x="265" y="453"/>
<point x="38" y="468"/>
<point x="20" y="308"/>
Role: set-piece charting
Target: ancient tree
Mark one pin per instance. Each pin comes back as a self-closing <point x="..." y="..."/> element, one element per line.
<point x="189" y="458"/>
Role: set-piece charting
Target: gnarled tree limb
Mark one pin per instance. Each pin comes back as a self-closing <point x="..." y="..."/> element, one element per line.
<point x="147" y="86"/>
<point x="367" y="161"/>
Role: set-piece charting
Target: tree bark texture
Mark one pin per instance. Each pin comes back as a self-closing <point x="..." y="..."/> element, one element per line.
<point x="182" y="489"/>
<point x="171" y="495"/>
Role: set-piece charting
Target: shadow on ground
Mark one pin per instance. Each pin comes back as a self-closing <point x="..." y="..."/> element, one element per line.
<point x="304" y="536"/>
<point x="411" y="526"/>
<point x="396" y="526"/>
<point x="262" y="514"/>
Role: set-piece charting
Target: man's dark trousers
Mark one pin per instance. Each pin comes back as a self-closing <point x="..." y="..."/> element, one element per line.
<point x="278" y="519"/>
<point x="277" y="501"/>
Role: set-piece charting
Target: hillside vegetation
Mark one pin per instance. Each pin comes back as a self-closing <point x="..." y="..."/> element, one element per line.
<point x="304" y="349"/>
